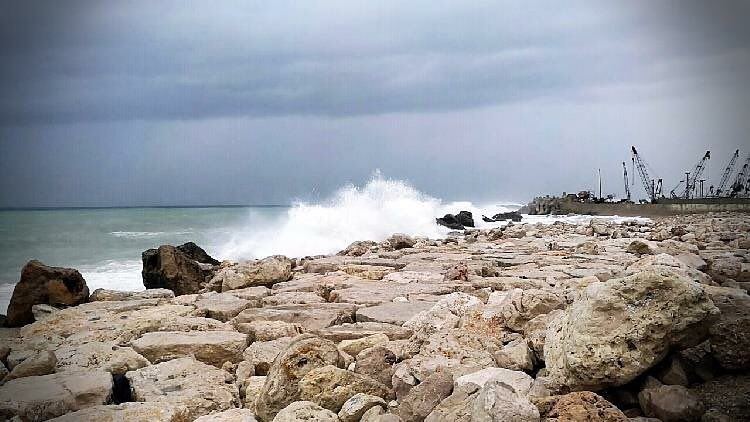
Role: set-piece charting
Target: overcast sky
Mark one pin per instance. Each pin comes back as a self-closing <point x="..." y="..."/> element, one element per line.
<point x="167" y="103"/>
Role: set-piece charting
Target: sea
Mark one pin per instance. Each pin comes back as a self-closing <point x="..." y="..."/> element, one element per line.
<point x="105" y="244"/>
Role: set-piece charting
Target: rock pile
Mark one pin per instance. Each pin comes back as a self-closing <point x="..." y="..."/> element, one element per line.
<point x="635" y="321"/>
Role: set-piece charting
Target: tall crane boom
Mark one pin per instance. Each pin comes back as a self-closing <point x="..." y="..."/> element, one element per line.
<point x="727" y="173"/>
<point x="648" y="183"/>
<point x="697" y="172"/>
<point x="625" y="176"/>
<point x="739" y="182"/>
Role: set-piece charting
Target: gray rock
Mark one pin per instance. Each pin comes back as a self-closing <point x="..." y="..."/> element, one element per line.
<point x="671" y="403"/>
<point x="420" y="401"/>
<point x="305" y="411"/>
<point x="331" y="387"/>
<point x="211" y="347"/>
<point x="354" y="408"/>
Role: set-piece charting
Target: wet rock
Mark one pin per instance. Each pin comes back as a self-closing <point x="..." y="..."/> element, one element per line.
<point x="424" y="397"/>
<point x="201" y="388"/>
<point x="354" y="408"/>
<point x="40" y="284"/>
<point x="305" y="411"/>
<point x="42" y="363"/>
<point x="153" y="412"/>
<point x="265" y="272"/>
<point x="211" y="347"/>
<point x="620" y="328"/>
<point x="451" y="221"/>
<point x="169" y="268"/>
<point x="304" y="354"/>
<point x="196" y="253"/>
<point x="331" y="387"/>
<point x="671" y="403"/>
<point x="48" y="396"/>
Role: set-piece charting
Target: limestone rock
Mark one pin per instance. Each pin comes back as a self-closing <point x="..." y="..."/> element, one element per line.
<point x="304" y="354"/>
<point x="107" y="356"/>
<point x="269" y="330"/>
<point x="262" y="353"/>
<point x="185" y="381"/>
<point x="730" y="336"/>
<point x="353" y="409"/>
<point x="156" y="412"/>
<point x="265" y="272"/>
<point x="516" y="356"/>
<point x="671" y="403"/>
<point x="48" y="396"/>
<point x="443" y="315"/>
<point x="499" y="402"/>
<point x="292" y="298"/>
<point x="727" y="394"/>
<point x="211" y="347"/>
<point x="231" y="415"/>
<point x="42" y="363"/>
<point x="312" y="316"/>
<point x="331" y="387"/>
<point x="580" y="406"/>
<point x="516" y="307"/>
<point x="618" y="329"/>
<point x="305" y="411"/>
<point x="377" y="363"/>
<point x="41" y="284"/>
<point x="358" y="248"/>
<point x="424" y="397"/>
<point x="457" y="407"/>
<point x="519" y="381"/>
<point x="253" y="387"/>
<point x="639" y="247"/>
<point x="115" y="295"/>
<point x="401" y="241"/>
<point x="392" y="312"/>
<point x="353" y="347"/>
<point x="221" y="306"/>
<point x="169" y="268"/>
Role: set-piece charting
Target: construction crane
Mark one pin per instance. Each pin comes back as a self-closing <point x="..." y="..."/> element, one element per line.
<point x="690" y="182"/>
<point x="727" y="172"/>
<point x="739" y="182"/>
<point x="625" y="176"/>
<point x="652" y="187"/>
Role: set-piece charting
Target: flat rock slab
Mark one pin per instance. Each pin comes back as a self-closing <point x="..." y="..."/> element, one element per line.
<point x="48" y="396"/>
<point x="221" y="306"/>
<point x="377" y="292"/>
<point x="363" y="329"/>
<point x="312" y="316"/>
<point x="396" y="313"/>
<point x="99" y="355"/>
<point x="187" y="382"/>
<point x="152" y="412"/>
<point x="211" y="347"/>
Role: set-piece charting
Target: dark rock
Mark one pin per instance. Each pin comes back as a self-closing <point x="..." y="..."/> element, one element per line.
<point x="169" y="268"/>
<point x="465" y="218"/>
<point x="453" y="222"/>
<point x="514" y="216"/>
<point x="196" y="253"/>
<point x="41" y="284"/>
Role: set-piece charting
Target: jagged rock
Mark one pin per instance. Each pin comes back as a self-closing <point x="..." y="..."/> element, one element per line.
<point x="304" y="354"/>
<point x="169" y="268"/>
<point x="516" y="356"/>
<point x="499" y="402"/>
<point x="579" y="406"/>
<point x="674" y="373"/>
<point x="152" y="412"/>
<point x="42" y="363"/>
<point x="639" y="247"/>
<point x="269" y="330"/>
<point x="231" y="415"/>
<point x="465" y="218"/>
<point x="185" y="381"/>
<point x="116" y="295"/>
<point x="358" y="248"/>
<point x="620" y="328"/>
<point x="221" y="306"/>
<point x="354" y="408"/>
<point x="451" y="221"/>
<point x="519" y="381"/>
<point x="211" y="347"/>
<point x="196" y="253"/>
<point x="48" y="396"/>
<point x="305" y="411"/>
<point x="443" y="315"/>
<point x="458" y="272"/>
<point x="330" y="386"/>
<point x="457" y="407"/>
<point x="424" y="397"/>
<point x="376" y="362"/>
<point x="516" y="307"/>
<point x="265" y="272"/>
<point x="730" y="336"/>
<point x="262" y="353"/>
<point x="671" y="403"/>
<point x="41" y="284"/>
<point x="401" y="241"/>
<point x="353" y="347"/>
<point x="727" y="394"/>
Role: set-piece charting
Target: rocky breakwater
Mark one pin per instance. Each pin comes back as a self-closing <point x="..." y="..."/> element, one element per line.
<point x="641" y="321"/>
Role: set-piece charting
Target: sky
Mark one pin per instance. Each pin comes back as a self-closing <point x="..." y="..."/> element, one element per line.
<point x="243" y="102"/>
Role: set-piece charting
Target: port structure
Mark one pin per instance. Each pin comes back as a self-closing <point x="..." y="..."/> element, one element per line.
<point x="652" y="187"/>
<point x="691" y="182"/>
<point x="720" y="190"/>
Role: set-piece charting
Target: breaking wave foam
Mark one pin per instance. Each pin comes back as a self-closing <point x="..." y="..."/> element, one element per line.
<point x="371" y="212"/>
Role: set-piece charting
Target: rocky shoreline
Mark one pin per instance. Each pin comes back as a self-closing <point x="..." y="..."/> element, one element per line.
<point x="639" y="321"/>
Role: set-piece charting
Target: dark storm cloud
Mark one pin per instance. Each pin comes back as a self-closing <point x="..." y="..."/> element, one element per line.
<point x="89" y="61"/>
<point x="174" y="102"/>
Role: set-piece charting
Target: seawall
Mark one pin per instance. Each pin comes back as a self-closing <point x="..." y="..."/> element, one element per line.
<point x="549" y="205"/>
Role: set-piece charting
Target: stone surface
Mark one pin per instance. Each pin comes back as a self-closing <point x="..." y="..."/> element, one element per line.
<point x="262" y="353"/>
<point x="580" y="406"/>
<point x="620" y="328"/>
<point x="265" y="272"/>
<point x="211" y="347"/>
<point x="269" y="330"/>
<point x="392" y="312"/>
<point x="116" y="295"/>
<point x="354" y="347"/>
<point x="499" y="402"/>
<point x="331" y="387"/>
<point x="221" y="306"/>
<point x="376" y="362"/>
<point x="313" y="316"/>
<point x="401" y="241"/>
<point x="424" y="397"/>
<point x="730" y="336"/>
<point x="42" y="363"/>
<point x="201" y="388"/>
<point x="48" y="396"/>
<point x="305" y="411"/>
<point x="354" y="408"/>
<point x="671" y="403"/>
<point x="156" y="412"/>
<point x="231" y="415"/>
<point x="40" y="284"/>
<point x="304" y="354"/>
<point x="169" y="268"/>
